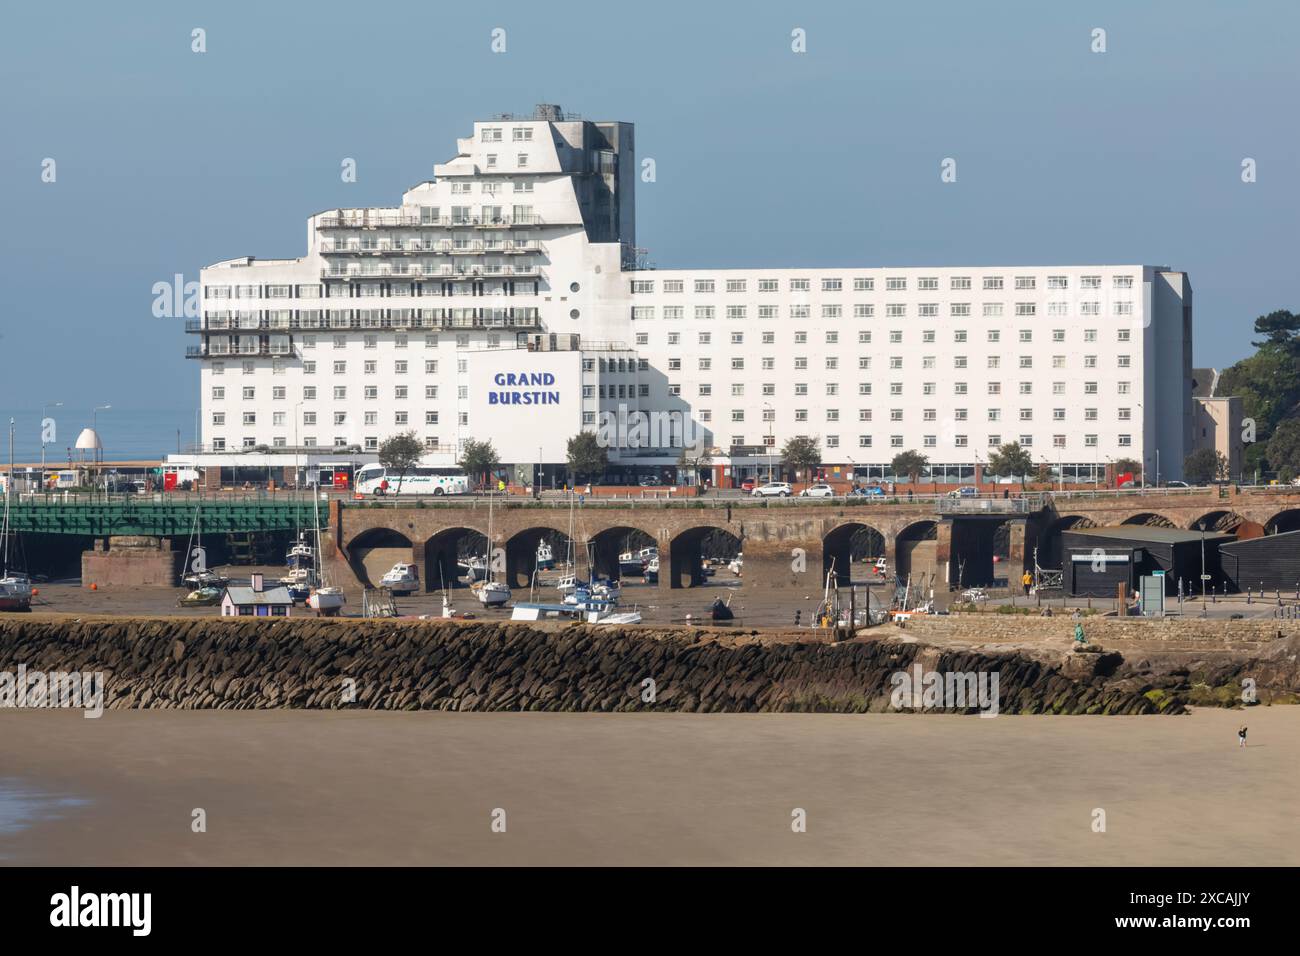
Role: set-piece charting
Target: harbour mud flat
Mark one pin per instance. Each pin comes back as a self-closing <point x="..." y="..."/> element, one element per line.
<point x="293" y="787"/>
<point x="215" y="663"/>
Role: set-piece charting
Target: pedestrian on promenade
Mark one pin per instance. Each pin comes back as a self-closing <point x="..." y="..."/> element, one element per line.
<point x="1241" y="737"/>
<point x="1026" y="580"/>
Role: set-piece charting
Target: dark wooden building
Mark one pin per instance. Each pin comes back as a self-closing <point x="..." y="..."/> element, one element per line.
<point x="1096" y="560"/>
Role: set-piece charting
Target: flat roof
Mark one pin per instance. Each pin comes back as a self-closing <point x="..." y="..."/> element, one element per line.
<point x="1149" y="533"/>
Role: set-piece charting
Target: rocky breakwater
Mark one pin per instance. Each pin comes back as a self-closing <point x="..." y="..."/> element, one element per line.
<point x="504" y="666"/>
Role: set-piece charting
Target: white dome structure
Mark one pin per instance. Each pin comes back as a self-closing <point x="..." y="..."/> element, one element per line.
<point x="88" y="440"/>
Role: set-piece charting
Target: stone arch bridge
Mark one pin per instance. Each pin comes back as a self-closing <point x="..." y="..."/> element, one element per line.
<point x="787" y="544"/>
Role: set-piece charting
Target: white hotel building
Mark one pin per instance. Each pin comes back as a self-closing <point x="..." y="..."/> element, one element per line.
<point x="519" y="257"/>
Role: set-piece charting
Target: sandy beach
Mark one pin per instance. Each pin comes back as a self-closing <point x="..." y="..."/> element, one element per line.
<point x="295" y="787"/>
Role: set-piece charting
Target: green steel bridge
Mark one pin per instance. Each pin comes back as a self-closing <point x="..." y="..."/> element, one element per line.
<point x="160" y="515"/>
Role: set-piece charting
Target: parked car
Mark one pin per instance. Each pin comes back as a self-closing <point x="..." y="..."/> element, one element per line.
<point x="649" y="482"/>
<point x="748" y="484"/>
<point x="773" y="489"/>
<point x="1177" y="484"/>
<point x="965" y="491"/>
<point x="818" y="491"/>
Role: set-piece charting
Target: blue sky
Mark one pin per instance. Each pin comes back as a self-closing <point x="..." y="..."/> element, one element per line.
<point x="168" y="160"/>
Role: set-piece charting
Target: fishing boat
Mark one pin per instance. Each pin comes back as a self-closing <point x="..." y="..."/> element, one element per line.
<point x="652" y="571"/>
<point x="545" y="556"/>
<point x="15" y="586"/>
<point x="490" y="592"/>
<point x="300" y="554"/>
<point x="630" y="565"/>
<point x="401" y="579"/>
<point x="325" y="600"/>
<point x="299" y="583"/>
<point x="473" y="567"/>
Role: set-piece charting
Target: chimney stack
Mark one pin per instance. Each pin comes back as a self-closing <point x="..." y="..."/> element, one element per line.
<point x="257" y="582"/>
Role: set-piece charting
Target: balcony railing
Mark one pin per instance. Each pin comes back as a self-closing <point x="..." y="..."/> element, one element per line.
<point x="404" y="222"/>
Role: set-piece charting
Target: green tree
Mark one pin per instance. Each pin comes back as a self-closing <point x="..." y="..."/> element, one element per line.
<point x="910" y="463"/>
<point x="586" y="456"/>
<point x="1009" y="461"/>
<point x="399" y="454"/>
<point x="479" y="459"/>
<point x="802" y="453"/>
<point x="1204" y="465"/>
<point x="1284" y="447"/>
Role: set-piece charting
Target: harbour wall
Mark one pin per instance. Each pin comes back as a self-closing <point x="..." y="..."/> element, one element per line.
<point x="506" y="666"/>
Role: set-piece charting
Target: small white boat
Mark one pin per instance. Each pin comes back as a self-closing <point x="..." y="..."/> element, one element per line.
<point x="401" y="579"/>
<point x="326" y="601"/>
<point x="545" y="556"/>
<point x="490" y="593"/>
<point x="474" y="568"/>
<point x="614" y="617"/>
<point x="652" y="570"/>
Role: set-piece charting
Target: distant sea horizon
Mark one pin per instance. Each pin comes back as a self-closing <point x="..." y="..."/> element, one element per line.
<point x="127" y="434"/>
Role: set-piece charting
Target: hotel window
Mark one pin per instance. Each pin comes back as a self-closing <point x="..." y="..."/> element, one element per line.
<point x="895" y="441"/>
<point x="1058" y="414"/>
<point x="1125" y="441"/>
<point x="1122" y="335"/>
<point x="896" y="284"/>
<point x="704" y="312"/>
<point x="1090" y="361"/>
<point x="218" y="368"/>
<point x="800" y="362"/>
<point x="400" y="418"/>
<point x="1025" y="282"/>
<point x="1090" y="335"/>
<point x="1121" y="388"/>
<point x="490" y="134"/>
<point x="1124" y="414"/>
<point x="929" y="415"/>
<point x="1058" y="361"/>
<point x="832" y="311"/>
<point x="864" y="285"/>
<point x="864" y="338"/>
<point x="927" y="361"/>
<point x="801" y="388"/>
<point x="959" y="335"/>
<point x="673" y="285"/>
<point x="769" y="338"/>
<point x="927" y="336"/>
<point x="1026" y="308"/>
<point x="768" y="285"/>
<point x="864" y="414"/>
<point x="735" y="311"/>
<point x="703" y="285"/>
<point x="218" y="393"/>
<point x="929" y="441"/>
<point x="1090" y="414"/>
<point x="674" y="312"/>
<point x="340" y="393"/>
<point x="1122" y="361"/>
<point x="642" y="312"/>
<point x="864" y="388"/>
<point x="832" y="389"/>
<point x="705" y="338"/>
<point x="959" y="361"/>
<point x="737" y="414"/>
<point x="309" y="418"/>
<point x="250" y="367"/>
<point x="995" y="388"/>
<point x="674" y="365"/>
<point x="309" y="393"/>
<point x="799" y="285"/>
<point x="959" y="309"/>
<point x="371" y="393"/>
<point x="1090" y="282"/>
<point x="1123" y="308"/>
<point x="993" y="335"/>
<point x="218" y="418"/>
<point x="832" y="285"/>
<point x="895" y="311"/>
<point x="958" y="283"/>
<point x="992" y="282"/>
<point x="995" y="361"/>
<point x="832" y="362"/>
<point x="370" y="367"/>
<point x="278" y="393"/>
<point x="1089" y="441"/>
<point x="1026" y="361"/>
<point x="521" y="160"/>
<point x="927" y="310"/>
<point x="340" y="418"/>
<point x="249" y="394"/>
<point x="895" y="414"/>
<point x="927" y="388"/>
<point x="864" y="311"/>
<point x="1123" y="282"/>
<point x="400" y="392"/>
<point x="799" y="312"/>
<point x="340" y="368"/>
<point x="704" y="364"/>
<point x="995" y="414"/>
<point x="895" y="388"/>
<point x="522" y="134"/>
<point x="1026" y="414"/>
<point x="959" y="388"/>
<point x="1026" y="388"/>
<point x="927" y="284"/>
<point x="832" y="414"/>
<point x="1058" y="388"/>
<point x="992" y="310"/>
<point x="674" y="338"/>
<point x="705" y="390"/>
<point x="895" y="336"/>
<point x="643" y="285"/>
<point x="1090" y="388"/>
<point x="674" y="389"/>
<point x="737" y="364"/>
<point x="735" y="285"/>
<point x="769" y="389"/>
<point x="1026" y="335"/>
<point x="1090" y="308"/>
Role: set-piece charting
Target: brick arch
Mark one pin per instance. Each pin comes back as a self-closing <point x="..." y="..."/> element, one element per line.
<point x="847" y="540"/>
<point x="521" y="552"/>
<point x="1227" y="521"/>
<point x="1050" y="552"/>
<point x="1287" y="519"/>
<point x="441" y="551"/>
<point x="372" y="551"/>
<point x="686" y="552"/>
<point x="608" y="543"/>
<point x="1150" y="519"/>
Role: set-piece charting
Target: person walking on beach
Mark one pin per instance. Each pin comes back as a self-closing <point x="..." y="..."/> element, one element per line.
<point x="1241" y="737"/>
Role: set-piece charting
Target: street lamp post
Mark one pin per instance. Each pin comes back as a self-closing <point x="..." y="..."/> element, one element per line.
<point x="43" y="408"/>
<point x="94" y="426"/>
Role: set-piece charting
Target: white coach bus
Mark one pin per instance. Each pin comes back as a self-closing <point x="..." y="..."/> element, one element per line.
<point x="418" y="481"/>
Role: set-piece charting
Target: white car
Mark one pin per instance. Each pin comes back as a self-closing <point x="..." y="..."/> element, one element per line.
<point x="818" y="491"/>
<point x="772" y="489"/>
